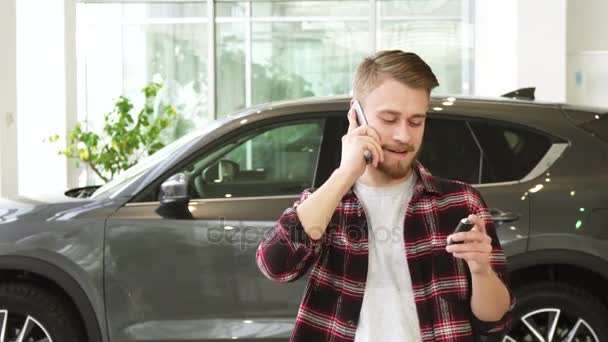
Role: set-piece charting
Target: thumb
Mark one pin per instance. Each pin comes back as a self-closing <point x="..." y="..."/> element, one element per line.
<point x="479" y="223"/>
<point x="352" y="120"/>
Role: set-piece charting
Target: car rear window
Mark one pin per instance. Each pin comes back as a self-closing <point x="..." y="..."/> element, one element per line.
<point x="509" y="152"/>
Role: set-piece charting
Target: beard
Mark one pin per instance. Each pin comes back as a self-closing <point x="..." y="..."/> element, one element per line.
<point x="403" y="166"/>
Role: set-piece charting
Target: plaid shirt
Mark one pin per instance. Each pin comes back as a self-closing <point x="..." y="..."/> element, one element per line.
<point x="441" y="283"/>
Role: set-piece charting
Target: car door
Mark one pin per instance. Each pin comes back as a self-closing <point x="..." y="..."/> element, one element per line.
<point x="195" y="279"/>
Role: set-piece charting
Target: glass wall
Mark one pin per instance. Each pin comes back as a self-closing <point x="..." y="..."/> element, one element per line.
<point x="122" y="47"/>
<point x="261" y="50"/>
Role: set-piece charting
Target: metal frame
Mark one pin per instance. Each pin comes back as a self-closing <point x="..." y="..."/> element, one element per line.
<point x="71" y="84"/>
<point x="211" y="59"/>
<point x="374" y="19"/>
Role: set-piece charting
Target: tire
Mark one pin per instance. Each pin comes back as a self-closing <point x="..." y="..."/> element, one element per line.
<point x="539" y="305"/>
<point x="43" y="312"/>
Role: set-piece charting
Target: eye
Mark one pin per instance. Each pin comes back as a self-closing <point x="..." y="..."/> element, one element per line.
<point x="416" y="123"/>
<point x="389" y="120"/>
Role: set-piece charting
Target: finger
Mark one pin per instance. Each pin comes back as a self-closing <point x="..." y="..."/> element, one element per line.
<point x="469" y="247"/>
<point x="470" y="236"/>
<point x="478" y="222"/>
<point x="352" y="121"/>
<point x="371" y="149"/>
<point x="366" y="130"/>
<point x="472" y="256"/>
<point x="375" y="148"/>
<point x="372" y="132"/>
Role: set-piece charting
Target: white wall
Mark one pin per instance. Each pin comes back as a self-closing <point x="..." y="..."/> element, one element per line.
<point x="495" y="47"/>
<point x="587" y="25"/>
<point x="41" y="98"/>
<point x="587" y="57"/>
<point x="542" y="48"/>
<point x="519" y="44"/>
<point x="8" y="99"/>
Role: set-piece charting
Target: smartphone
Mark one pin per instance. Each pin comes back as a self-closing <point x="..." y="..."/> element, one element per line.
<point x="362" y="120"/>
<point x="463" y="226"/>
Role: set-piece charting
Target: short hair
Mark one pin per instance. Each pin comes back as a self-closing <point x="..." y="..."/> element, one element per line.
<point x="405" y="67"/>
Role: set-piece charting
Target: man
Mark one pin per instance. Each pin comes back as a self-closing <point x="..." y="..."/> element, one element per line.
<point x="376" y="235"/>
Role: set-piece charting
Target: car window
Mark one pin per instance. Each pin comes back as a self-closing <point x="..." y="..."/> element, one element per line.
<point x="450" y="151"/>
<point x="130" y="175"/>
<point x="279" y="160"/>
<point x="509" y="153"/>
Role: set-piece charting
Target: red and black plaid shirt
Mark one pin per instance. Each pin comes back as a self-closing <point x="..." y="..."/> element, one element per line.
<point x="441" y="283"/>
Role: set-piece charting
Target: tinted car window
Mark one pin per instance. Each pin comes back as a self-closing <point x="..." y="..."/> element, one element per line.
<point x="509" y="153"/>
<point x="450" y="151"/>
<point x="273" y="161"/>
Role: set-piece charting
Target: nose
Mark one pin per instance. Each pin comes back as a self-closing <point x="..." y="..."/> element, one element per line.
<point x="401" y="133"/>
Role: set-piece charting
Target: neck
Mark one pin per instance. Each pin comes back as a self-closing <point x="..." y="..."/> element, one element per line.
<point x="377" y="178"/>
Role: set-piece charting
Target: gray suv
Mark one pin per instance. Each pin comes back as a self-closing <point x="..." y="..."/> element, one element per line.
<point x="165" y="251"/>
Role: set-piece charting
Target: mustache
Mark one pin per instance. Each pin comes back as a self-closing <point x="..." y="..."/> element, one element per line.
<point x="404" y="148"/>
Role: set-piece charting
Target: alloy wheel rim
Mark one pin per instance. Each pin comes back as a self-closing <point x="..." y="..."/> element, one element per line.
<point x="16" y="327"/>
<point x="551" y="325"/>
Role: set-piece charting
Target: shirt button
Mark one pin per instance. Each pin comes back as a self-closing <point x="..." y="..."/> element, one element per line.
<point x="351" y="323"/>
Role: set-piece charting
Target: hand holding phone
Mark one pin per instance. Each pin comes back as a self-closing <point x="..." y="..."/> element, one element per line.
<point x="362" y="120"/>
<point x="463" y="226"/>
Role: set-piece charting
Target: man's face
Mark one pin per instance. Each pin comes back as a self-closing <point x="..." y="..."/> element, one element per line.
<point x="398" y="113"/>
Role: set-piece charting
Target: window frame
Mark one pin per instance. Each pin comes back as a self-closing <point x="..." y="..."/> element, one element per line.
<point x="152" y="191"/>
<point x="461" y="118"/>
<point x="556" y="148"/>
<point x="250" y="135"/>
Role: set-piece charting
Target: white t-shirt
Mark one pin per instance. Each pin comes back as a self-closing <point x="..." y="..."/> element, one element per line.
<point x="389" y="310"/>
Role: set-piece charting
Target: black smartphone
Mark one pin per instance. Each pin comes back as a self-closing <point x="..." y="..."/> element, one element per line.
<point x="362" y="120"/>
<point x="463" y="226"/>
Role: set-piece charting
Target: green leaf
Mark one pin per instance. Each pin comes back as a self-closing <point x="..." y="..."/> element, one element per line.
<point x="125" y="138"/>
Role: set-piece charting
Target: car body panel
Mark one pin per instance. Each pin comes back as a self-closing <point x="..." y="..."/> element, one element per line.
<point x="57" y="241"/>
<point x="169" y="279"/>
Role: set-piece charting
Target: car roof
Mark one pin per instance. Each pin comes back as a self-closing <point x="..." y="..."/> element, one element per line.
<point x="344" y="99"/>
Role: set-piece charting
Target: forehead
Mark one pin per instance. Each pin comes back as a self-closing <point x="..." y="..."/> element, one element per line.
<point x="392" y="95"/>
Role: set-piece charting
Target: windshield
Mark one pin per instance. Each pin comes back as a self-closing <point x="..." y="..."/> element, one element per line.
<point x="128" y="176"/>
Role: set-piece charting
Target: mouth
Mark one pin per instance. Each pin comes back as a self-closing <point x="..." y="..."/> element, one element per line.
<point x="398" y="153"/>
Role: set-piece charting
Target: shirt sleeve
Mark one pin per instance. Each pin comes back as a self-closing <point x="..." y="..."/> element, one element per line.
<point x="498" y="262"/>
<point x="287" y="252"/>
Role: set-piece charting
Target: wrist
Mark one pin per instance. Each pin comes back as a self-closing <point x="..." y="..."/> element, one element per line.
<point x="485" y="273"/>
<point x="348" y="176"/>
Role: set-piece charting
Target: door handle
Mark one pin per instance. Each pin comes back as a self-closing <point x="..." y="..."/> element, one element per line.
<point x="501" y="216"/>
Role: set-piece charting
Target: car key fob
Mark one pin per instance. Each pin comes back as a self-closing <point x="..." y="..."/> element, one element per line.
<point x="463" y="226"/>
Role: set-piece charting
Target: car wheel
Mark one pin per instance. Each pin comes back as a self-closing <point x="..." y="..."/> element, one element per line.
<point x="31" y="313"/>
<point x="557" y="312"/>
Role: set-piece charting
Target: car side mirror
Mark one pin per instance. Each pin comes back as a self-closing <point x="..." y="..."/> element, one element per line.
<point x="175" y="189"/>
<point x="174" y="197"/>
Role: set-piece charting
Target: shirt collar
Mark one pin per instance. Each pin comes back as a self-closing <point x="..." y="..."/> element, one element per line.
<point x="430" y="183"/>
<point x="425" y="182"/>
